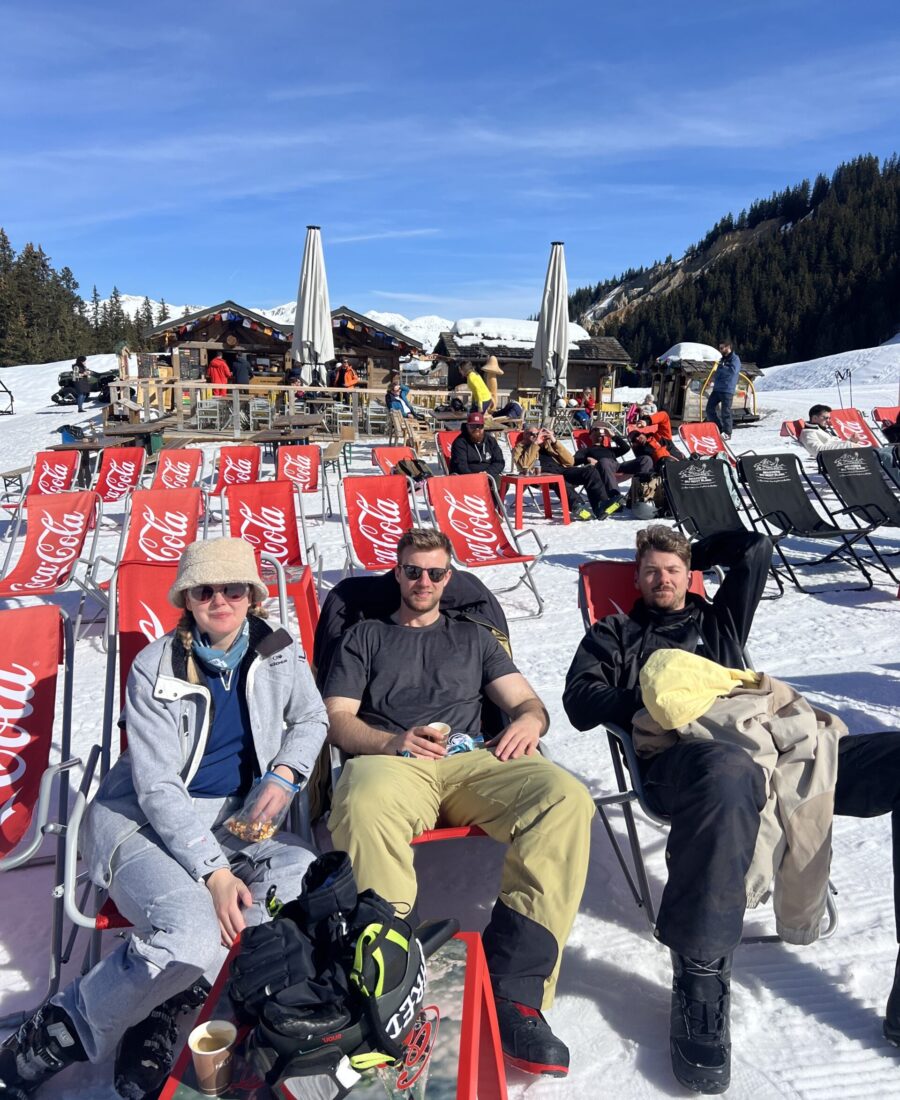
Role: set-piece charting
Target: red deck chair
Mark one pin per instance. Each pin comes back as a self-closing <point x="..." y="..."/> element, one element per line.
<point x="51" y="472"/>
<point x="178" y="469"/>
<point x="158" y="525"/>
<point x="233" y="466"/>
<point x="443" y="443"/>
<point x="791" y="429"/>
<point x="386" y="458"/>
<point x="469" y="512"/>
<point x="119" y="473"/>
<point x="302" y="464"/>
<point x="849" y="424"/>
<point x="705" y="440"/>
<point x="582" y="437"/>
<point x="375" y="512"/>
<point x="265" y="515"/>
<point x="886" y="415"/>
<point x="609" y="588"/>
<point x="34" y="641"/>
<point x="57" y="529"/>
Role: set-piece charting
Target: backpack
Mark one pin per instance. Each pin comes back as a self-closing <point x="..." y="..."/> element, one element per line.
<point x="414" y="468"/>
<point x="333" y="985"/>
<point x="650" y="491"/>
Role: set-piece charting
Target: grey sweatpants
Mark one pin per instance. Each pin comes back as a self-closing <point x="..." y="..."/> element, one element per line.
<point x="176" y="936"/>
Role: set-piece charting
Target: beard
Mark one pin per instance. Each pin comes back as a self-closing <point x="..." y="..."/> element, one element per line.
<point x="419" y="602"/>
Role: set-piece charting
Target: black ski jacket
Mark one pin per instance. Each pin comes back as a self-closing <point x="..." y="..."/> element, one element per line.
<point x="602" y="681"/>
<point x="467" y="457"/>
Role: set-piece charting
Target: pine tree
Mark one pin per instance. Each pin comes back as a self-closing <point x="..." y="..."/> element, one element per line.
<point x="162" y="314"/>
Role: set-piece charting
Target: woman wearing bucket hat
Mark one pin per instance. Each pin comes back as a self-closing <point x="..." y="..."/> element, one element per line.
<point x="222" y="704"/>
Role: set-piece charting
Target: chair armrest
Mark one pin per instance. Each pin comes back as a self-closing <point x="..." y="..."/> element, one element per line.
<point x="70" y="875"/>
<point x="24" y="852"/>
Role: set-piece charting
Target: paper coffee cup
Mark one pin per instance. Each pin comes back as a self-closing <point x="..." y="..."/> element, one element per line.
<point x="211" y="1045"/>
<point x="442" y="728"/>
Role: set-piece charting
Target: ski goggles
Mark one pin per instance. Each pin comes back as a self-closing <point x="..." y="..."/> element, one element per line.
<point x="203" y="593"/>
<point x="414" y="572"/>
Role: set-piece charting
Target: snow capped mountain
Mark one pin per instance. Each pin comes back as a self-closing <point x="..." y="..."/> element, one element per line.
<point x="867" y="365"/>
<point x="425" y="329"/>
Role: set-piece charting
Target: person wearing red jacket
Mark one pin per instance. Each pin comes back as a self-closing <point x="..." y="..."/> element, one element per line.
<point x="219" y="373"/>
<point x="652" y="436"/>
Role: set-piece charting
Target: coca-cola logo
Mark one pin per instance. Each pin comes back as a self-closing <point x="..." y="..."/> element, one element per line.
<point x="471" y="517"/>
<point x="53" y="477"/>
<point x="150" y="627"/>
<point x="56" y="548"/>
<point x="16" y="693"/>
<point x="163" y="538"/>
<point x="704" y="444"/>
<point x="378" y="521"/>
<point x="177" y="474"/>
<point x="121" y="478"/>
<point x="853" y="432"/>
<point x="237" y="471"/>
<point x="299" y="469"/>
<point x="265" y="530"/>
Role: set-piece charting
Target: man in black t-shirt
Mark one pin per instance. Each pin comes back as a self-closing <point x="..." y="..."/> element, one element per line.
<point x="389" y="681"/>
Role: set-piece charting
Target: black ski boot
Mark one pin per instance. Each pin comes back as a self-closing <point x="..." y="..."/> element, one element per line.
<point x="892" y="1012"/>
<point x="147" y="1050"/>
<point x="700" y="1039"/>
<point x="41" y="1047"/>
<point x="527" y="1041"/>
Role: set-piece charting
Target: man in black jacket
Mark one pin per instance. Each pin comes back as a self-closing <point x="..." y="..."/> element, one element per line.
<point x="711" y="792"/>
<point x="475" y="451"/>
<point x="607" y="446"/>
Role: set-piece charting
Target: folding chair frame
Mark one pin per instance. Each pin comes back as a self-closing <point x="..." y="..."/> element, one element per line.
<point x="41" y="826"/>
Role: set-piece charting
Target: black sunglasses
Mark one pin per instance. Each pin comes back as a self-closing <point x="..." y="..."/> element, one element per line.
<point x="203" y="593"/>
<point x="414" y="572"/>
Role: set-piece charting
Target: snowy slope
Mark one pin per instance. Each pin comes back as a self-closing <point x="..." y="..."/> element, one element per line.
<point x="806" y="1021"/>
<point x="425" y="329"/>
<point x="868" y="366"/>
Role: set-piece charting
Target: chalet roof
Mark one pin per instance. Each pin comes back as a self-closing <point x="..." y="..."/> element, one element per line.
<point x="597" y="349"/>
<point x="175" y="323"/>
<point x="369" y="326"/>
<point x="703" y="366"/>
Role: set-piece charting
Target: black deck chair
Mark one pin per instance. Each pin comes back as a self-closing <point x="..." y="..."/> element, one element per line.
<point x="858" y="480"/>
<point x="777" y="485"/>
<point x="704" y="499"/>
<point x="889" y="457"/>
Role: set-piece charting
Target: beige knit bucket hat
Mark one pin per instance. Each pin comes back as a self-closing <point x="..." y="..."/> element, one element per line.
<point x="217" y="561"/>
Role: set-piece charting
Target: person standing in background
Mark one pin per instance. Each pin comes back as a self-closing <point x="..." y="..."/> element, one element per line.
<point x="725" y="380"/>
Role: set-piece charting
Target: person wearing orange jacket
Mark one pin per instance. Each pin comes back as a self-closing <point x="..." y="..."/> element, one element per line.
<point x="651" y="435"/>
<point x="219" y="373"/>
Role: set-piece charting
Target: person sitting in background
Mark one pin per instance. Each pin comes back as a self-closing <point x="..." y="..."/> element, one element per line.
<point x="648" y="404"/>
<point x="586" y="403"/>
<point x="476" y="451"/>
<point x="481" y="396"/>
<point x="397" y="400"/>
<point x="512" y="410"/>
<point x="211" y="708"/>
<point x="539" y="447"/>
<point x="651" y="437"/>
<point x="818" y="434"/>
<point x="606" y="446"/>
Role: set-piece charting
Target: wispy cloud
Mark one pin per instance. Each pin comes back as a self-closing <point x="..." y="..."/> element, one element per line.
<point x="315" y="91"/>
<point x="384" y="235"/>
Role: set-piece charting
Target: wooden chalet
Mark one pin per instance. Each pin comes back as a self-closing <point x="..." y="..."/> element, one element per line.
<point x="681" y="387"/>
<point x="591" y="362"/>
<point x="229" y="329"/>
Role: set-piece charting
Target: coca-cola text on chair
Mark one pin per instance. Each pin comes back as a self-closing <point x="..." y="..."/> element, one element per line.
<point x="34" y="642"/>
<point x="469" y="512"/>
<point x="375" y="513"/>
<point x="51" y="472"/>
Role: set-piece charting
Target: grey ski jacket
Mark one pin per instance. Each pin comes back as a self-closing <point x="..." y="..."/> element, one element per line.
<point x="167" y="720"/>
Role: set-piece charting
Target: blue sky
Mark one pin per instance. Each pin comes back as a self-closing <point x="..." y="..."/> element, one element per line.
<point x="181" y="149"/>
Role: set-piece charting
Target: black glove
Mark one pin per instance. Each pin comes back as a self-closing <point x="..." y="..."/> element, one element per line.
<point x="273" y="959"/>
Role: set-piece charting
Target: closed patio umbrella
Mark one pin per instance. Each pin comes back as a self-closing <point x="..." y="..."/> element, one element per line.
<point x="551" y="348"/>
<point x="313" y="342"/>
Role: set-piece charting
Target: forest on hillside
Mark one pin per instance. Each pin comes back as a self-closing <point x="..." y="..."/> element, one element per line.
<point x="43" y="318"/>
<point x="825" y="280"/>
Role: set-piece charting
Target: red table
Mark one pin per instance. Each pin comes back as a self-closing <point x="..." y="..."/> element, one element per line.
<point x="520" y="482"/>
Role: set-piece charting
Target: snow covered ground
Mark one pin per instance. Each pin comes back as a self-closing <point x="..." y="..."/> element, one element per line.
<point x="806" y="1021"/>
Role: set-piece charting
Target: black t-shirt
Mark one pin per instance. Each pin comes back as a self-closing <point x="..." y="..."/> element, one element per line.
<point x="410" y="676"/>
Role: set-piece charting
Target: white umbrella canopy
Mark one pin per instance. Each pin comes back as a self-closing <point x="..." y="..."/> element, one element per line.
<point x="551" y="348"/>
<point x="313" y="342"/>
